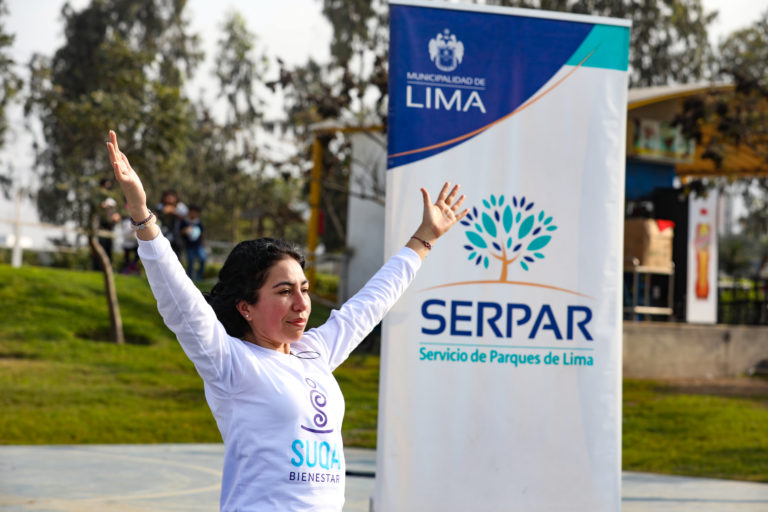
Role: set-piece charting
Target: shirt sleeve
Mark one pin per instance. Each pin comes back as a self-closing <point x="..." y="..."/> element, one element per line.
<point x="186" y="312"/>
<point x="357" y="317"/>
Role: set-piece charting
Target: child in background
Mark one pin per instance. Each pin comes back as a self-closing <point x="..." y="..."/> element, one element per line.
<point x="130" y="247"/>
<point x="192" y="235"/>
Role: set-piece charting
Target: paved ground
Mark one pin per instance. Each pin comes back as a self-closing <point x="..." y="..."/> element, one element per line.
<point x="170" y="478"/>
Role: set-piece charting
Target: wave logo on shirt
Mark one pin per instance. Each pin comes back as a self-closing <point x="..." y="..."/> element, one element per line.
<point x="318" y="401"/>
<point x="446" y="51"/>
<point x="507" y="232"/>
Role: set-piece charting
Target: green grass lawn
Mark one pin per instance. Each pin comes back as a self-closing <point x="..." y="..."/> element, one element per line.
<point x="61" y="382"/>
<point x="698" y="434"/>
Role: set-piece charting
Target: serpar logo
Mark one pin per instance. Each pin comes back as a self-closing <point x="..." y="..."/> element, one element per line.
<point x="510" y="232"/>
<point x="446" y="51"/>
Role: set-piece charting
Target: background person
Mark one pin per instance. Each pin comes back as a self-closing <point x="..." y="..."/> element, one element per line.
<point x="105" y="218"/>
<point x="193" y="234"/>
<point x="130" y="248"/>
<point x="269" y="383"/>
<point x="170" y="211"/>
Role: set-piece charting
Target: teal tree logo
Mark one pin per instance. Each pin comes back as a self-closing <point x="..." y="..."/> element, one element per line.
<point x="509" y="233"/>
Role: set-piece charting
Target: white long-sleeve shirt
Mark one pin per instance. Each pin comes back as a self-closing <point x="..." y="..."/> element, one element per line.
<point x="279" y="414"/>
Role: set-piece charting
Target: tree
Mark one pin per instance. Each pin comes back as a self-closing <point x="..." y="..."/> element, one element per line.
<point x="122" y="65"/>
<point x="509" y="231"/>
<point x="738" y="118"/>
<point x="266" y="205"/>
<point x="244" y="193"/>
<point x="239" y="70"/>
<point x="360" y="47"/>
<point x="726" y="122"/>
<point x="738" y="255"/>
<point x="315" y="93"/>
<point x="10" y="83"/>
<point x="114" y="69"/>
<point x="744" y="51"/>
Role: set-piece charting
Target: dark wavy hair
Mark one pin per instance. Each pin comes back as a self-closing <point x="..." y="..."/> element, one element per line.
<point x="243" y="273"/>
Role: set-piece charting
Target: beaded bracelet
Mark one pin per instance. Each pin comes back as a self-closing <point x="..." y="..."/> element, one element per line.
<point x="426" y="244"/>
<point x="139" y="226"/>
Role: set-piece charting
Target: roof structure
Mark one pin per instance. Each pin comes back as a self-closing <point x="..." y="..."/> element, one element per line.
<point x="664" y="102"/>
<point x="642" y="96"/>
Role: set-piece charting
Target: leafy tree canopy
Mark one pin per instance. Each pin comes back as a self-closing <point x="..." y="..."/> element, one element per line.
<point x="242" y="193"/>
<point x="10" y="84"/>
<point x="121" y="66"/>
<point x="724" y="121"/>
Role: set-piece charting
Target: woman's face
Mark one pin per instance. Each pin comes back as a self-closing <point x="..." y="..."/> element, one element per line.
<point x="280" y="315"/>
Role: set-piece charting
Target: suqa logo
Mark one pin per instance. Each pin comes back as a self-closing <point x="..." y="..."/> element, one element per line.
<point x="510" y="233"/>
<point x="314" y="455"/>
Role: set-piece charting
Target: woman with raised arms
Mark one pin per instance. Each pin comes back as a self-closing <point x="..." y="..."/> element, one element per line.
<point x="267" y="381"/>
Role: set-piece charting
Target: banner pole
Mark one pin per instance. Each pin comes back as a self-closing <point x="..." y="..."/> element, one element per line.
<point x="315" y="189"/>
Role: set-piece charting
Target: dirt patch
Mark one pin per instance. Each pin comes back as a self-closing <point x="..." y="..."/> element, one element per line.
<point x="9" y="363"/>
<point x="733" y="387"/>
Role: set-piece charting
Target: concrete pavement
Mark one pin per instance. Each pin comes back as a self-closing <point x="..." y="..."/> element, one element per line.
<point x="185" y="477"/>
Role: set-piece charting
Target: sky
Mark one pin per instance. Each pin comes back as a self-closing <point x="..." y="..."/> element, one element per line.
<point x="732" y="15"/>
<point x="294" y="30"/>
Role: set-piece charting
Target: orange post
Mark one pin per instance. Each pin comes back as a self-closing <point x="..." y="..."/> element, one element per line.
<point x="701" y="243"/>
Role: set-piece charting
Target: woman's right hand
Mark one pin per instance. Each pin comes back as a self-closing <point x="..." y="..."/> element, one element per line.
<point x="126" y="177"/>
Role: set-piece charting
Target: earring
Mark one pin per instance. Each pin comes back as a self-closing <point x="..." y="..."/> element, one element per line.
<point x="248" y="317"/>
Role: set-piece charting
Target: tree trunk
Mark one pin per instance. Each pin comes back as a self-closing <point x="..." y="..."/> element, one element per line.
<point x="335" y="220"/>
<point x="236" y="211"/>
<point x="115" y="320"/>
<point x="235" y="224"/>
<point x="505" y="263"/>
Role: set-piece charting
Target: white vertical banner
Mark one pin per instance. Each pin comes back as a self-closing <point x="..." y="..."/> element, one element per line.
<point x="501" y="365"/>
<point x="701" y="287"/>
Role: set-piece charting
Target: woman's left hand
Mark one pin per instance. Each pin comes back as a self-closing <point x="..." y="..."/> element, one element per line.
<point x="438" y="217"/>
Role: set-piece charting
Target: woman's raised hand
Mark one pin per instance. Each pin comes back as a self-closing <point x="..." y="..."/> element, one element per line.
<point x="126" y="177"/>
<point x="438" y="217"/>
<point x="133" y="190"/>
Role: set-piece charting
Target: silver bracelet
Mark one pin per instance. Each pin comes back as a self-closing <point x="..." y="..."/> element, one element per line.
<point x="140" y="226"/>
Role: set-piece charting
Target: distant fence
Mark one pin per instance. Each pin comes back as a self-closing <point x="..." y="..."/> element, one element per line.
<point x="217" y="250"/>
<point x="16" y="241"/>
<point x="743" y="302"/>
<point x="333" y="264"/>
